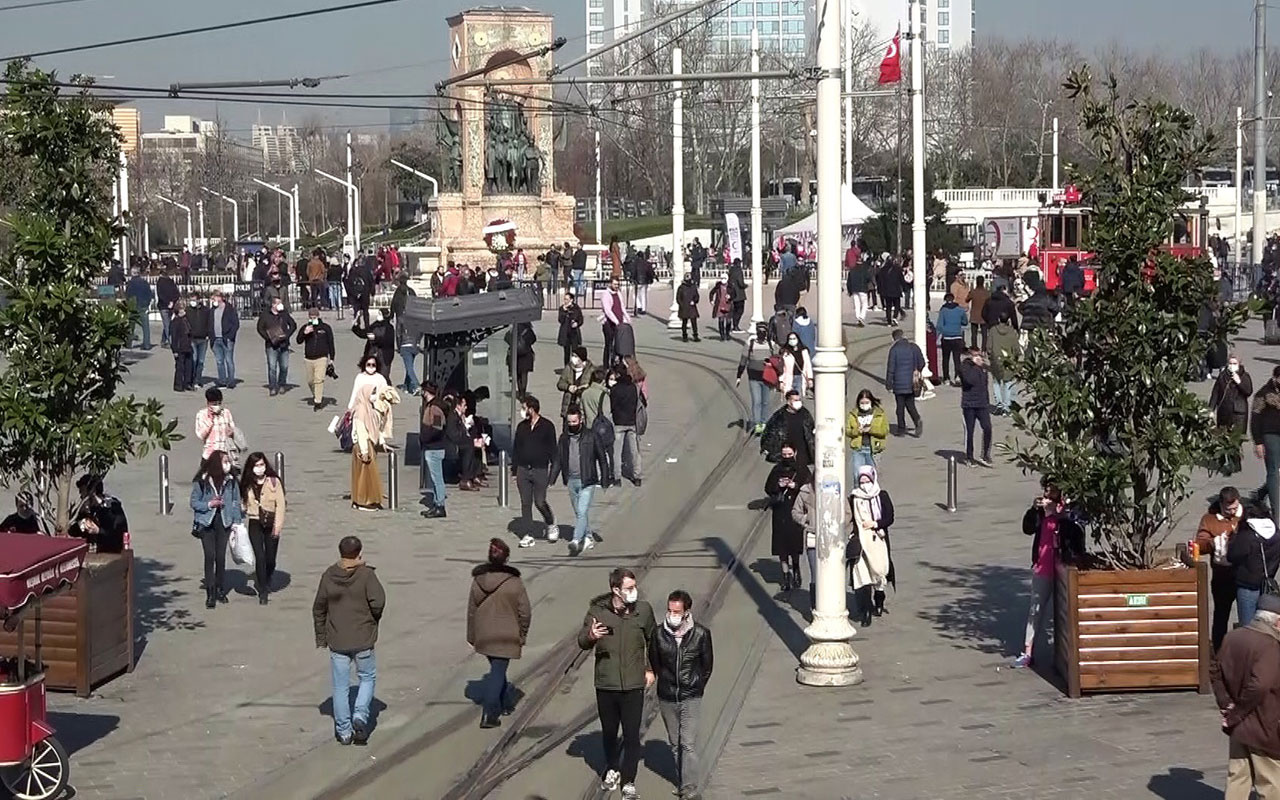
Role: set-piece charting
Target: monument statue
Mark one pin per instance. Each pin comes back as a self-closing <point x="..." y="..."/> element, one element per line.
<point x="507" y="145"/>
<point x="449" y="143"/>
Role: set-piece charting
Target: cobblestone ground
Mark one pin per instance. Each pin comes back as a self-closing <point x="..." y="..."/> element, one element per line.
<point x="221" y="698"/>
<point x="940" y="715"/>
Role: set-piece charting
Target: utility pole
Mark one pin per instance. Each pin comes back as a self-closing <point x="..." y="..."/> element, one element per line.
<point x="355" y="247"/>
<point x="829" y="659"/>
<point x="1259" y="131"/>
<point x="758" y="241"/>
<point x="200" y="213"/>
<point x="235" y="218"/>
<point x="677" y="185"/>
<point x="599" y="214"/>
<point x="1056" y="184"/>
<point x="846" y="12"/>
<point x="297" y="214"/>
<point x="1235" y="244"/>
<point x="191" y="245"/>
<point x="124" y="209"/>
<point x="918" y="259"/>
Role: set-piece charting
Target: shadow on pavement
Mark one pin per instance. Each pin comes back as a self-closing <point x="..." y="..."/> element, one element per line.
<point x="768" y="571"/>
<point x="983" y="608"/>
<point x="1182" y="784"/>
<point x="156" y="589"/>
<point x="78" y="731"/>
<point x="375" y="708"/>
<point x="590" y="748"/>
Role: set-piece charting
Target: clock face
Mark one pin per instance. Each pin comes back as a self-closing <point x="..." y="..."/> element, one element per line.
<point x="481" y="38"/>
<point x="535" y="38"/>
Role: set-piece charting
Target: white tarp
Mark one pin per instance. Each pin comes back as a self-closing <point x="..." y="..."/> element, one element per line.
<point x="852" y="212"/>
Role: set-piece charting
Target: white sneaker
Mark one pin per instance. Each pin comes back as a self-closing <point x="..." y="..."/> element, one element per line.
<point x="527" y="541"/>
<point x="629" y="791"/>
<point x="553" y="533"/>
<point x="611" y="780"/>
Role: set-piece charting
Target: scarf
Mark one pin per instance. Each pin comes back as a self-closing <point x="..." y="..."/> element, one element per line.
<point x="869" y="498"/>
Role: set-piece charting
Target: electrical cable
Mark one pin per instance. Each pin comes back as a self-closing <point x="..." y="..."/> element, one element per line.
<point x="203" y="29"/>
<point x="39" y="4"/>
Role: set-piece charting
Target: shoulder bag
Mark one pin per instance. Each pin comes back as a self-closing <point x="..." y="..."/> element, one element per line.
<point x="1269" y="585"/>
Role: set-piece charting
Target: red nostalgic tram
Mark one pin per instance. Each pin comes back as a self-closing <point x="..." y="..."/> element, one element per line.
<point x="33" y="764"/>
<point x="1064" y="234"/>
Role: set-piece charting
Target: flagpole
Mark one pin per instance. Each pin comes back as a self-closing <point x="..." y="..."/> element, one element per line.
<point x="897" y="238"/>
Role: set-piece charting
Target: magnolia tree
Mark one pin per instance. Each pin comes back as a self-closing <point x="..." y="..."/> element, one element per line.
<point x="61" y="408"/>
<point x="1107" y="414"/>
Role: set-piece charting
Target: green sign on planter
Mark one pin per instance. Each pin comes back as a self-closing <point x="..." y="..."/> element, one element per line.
<point x="1133" y="600"/>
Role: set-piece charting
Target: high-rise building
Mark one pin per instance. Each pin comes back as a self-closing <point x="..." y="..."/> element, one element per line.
<point x="785" y="27"/>
<point x="281" y="148"/>
<point x="949" y="24"/>
<point x="129" y="122"/>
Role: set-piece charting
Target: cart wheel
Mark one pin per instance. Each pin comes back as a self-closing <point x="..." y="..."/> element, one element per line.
<point x="44" y="776"/>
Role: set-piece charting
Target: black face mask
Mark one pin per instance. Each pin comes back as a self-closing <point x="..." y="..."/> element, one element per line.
<point x="575" y="429"/>
<point x="788" y="459"/>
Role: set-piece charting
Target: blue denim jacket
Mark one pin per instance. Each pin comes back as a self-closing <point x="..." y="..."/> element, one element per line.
<point x="202" y="493"/>
<point x="951" y="321"/>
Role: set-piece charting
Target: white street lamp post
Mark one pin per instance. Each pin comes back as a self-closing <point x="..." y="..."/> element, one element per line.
<point x="200" y="214"/>
<point x="758" y="242"/>
<point x="1236" y="252"/>
<point x="287" y="195"/>
<point x="599" y="210"/>
<point x="235" y="214"/>
<point x="677" y="185"/>
<point x="919" y="263"/>
<point x="355" y="204"/>
<point x="190" y="238"/>
<point x="830" y="659"/>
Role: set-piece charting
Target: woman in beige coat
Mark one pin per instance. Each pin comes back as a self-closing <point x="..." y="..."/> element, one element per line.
<point x="263" y="494"/>
<point x="366" y="434"/>
<point x="498" y="617"/>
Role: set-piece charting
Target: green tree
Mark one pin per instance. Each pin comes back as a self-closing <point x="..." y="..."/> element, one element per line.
<point x="1108" y="415"/>
<point x="881" y="231"/>
<point x="61" y="412"/>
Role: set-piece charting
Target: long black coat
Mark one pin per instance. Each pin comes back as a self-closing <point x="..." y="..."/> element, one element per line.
<point x="1230" y="401"/>
<point x="788" y="535"/>
<point x="570" y="334"/>
<point x="687" y="300"/>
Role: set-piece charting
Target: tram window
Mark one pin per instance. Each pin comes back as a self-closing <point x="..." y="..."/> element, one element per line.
<point x="1071" y="236"/>
<point x="1181" y="230"/>
<point x="1084" y="230"/>
<point x="1055" y="231"/>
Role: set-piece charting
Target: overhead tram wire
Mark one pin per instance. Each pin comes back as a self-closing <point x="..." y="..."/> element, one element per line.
<point x="39" y="4"/>
<point x="202" y="29"/>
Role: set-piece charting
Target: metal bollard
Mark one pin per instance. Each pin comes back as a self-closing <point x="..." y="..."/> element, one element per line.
<point x="393" y="481"/>
<point x="953" y="489"/>
<point x="280" y="465"/>
<point x="164" y="484"/>
<point x="504" y="490"/>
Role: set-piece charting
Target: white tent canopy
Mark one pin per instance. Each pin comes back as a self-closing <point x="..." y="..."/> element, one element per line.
<point x="852" y="212"/>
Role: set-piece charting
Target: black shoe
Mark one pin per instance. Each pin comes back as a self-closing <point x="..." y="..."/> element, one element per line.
<point x="490" y="722"/>
<point x="262" y="599"/>
<point x="636" y="482"/>
<point x="210" y="602"/>
<point x="359" y="733"/>
<point x="222" y="597"/>
<point x="879" y="603"/>
<point x="435" y="512"/>
<point x="684" y="338"/>
<point x="866" y="618"/>
<point x="697" y="338"/>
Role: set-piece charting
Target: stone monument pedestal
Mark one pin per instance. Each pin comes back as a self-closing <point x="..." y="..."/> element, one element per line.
<point x="540" y="220"/>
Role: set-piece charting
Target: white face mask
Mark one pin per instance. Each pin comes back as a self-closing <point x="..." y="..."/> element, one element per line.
<point x="192" y="303"/>
<point x="674" y="620"/>
<point x="796" y="404"/>
<point x="629" y="596"/>
<point x="278" y="309"/>
<point x="216" y="408"/>
<point x="864" y="406"/>
<point x="1233" y="368"/>
<point x="370" y="369"/>
<point x="574" y="360"/>
<point x="260" y="470"/>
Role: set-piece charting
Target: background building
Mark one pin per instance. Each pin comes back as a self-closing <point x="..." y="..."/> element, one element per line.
<point x="281" y="149"/>
<point x="950" y="24"/>
<point x="129" y="122"/>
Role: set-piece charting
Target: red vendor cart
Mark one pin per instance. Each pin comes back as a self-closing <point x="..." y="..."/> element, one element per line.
<point x="33" y="764"/>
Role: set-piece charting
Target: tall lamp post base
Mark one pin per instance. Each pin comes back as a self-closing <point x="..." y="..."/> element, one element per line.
<point x="829" y="659"/>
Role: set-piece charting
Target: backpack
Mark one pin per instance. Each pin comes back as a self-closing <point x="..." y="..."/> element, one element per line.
<point x="359" y="286"/>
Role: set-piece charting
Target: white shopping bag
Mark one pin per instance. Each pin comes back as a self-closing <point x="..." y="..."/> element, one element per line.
<point x="241" y="548"/>
<point x="333" y="424"/>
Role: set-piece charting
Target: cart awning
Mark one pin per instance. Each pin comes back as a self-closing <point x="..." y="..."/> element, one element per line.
<point x="488" y="311"/>
<point x="32" y="566"/>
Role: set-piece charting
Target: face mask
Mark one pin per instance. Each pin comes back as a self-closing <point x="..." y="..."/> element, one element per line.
<point x="1233" y="368"/>
<point x="260" y="470"/>
<point x="276" y="281"/>
<point x="629" y="596"/>
<point x="575" y="429"/>
<point x="612" y="384"/>
<point x="524" y="413"/>
<point x="796" y="404"/>
<point x="216" y="408"/>
<point x="574" y="360"/>
<point x="864" y="406"/>
<point x="793" y="342"/>
<point x="314" y="320"/>
<point x="217" y="304"/>
<point x="192" y="303"/>
<point x="278" y="309"/>
<point x="226" y="467"/>
<point x="674" y="620"/>
<point x="864" y="484"/>
<point x="370" y="369"/>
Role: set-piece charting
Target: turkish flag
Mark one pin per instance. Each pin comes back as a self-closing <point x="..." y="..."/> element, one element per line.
<point x="891" y="65"/>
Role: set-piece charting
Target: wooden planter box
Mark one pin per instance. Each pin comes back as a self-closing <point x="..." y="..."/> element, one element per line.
<point x="87" y="632"/>
<point x="1126" y="630"/>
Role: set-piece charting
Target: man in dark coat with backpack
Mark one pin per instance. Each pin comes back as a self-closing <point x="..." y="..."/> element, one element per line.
<point x="360" y="290"/>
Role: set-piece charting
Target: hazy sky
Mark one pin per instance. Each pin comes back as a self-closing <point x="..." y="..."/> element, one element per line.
<point x="402" y="47"/>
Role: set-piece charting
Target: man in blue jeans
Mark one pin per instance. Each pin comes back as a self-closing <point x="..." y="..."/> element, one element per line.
<point x="225" y="326"/>
<point x="581" y="462"/>
<point x="275" y="326"/>
<point x="346" y="611"/>
<point x="433" y="442"/>
<point x="755" y="357"/>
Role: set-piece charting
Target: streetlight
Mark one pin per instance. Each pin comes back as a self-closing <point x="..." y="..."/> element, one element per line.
<point x="757" y="218"/>
<point x="289" y="195"/>
<point x="235" y="213"/>
<point x="163" y="199"/>
<point x="352" y="219"/>
<point x="435" y="187"/>
<point x="830" y="659"/>
<point x="677" y="186"/>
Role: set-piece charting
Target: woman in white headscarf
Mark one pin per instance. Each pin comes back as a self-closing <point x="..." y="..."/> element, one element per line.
<point x="872" y="568"/>
<point x="366" y="433"/>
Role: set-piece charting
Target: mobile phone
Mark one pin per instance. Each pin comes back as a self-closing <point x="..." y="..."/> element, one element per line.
<point x="608" y="630"/>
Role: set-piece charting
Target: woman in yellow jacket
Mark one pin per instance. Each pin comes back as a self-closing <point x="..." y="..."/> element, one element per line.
<point x="866" y="431"/>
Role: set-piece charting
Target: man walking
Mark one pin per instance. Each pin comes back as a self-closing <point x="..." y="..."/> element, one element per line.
<point x="952" y="320"/>
<point x="905" y="364"/>
<point x="346" y="613"/>
<point x="433" y="441"/>
<point x="858" y="284"/>
<point x="225" y="327"/>
<point x="975" y="403"/>
<point x="618" y="627"/>
<point x="582" y="464"/>
<point x="533" y="461"/>
<point x="201" y="318"/>
<point x="1246" y="684"/>
<point x="680" y="655"/>
<point x="613" y="315"/>
<point x="316" y="338"/>
<point x="139" y="291"/>
<point x="498" y="618"/>
<point x="167" y="299"/>
<point x="275" y="326"/>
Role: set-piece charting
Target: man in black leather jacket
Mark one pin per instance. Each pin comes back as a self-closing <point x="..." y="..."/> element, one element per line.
<point x="680" y="655"/>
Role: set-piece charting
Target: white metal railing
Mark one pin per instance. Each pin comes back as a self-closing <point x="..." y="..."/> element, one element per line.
<point x="1216" y="195"/>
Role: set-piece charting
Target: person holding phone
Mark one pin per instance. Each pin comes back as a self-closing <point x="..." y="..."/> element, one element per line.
<point x="782" y="486"/>
<point x="216" y="507"/>
<point x="618" y="627"/>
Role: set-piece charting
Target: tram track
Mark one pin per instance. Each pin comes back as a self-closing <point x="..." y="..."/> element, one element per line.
<point x="504" y="760"/>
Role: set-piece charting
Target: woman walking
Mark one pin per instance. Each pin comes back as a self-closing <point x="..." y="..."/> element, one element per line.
<point x="800" y="377"/>
<point x="569" y="337"/>
<point x="867" y="431"/>
<point x="263" y="496"/>
<point x="782" y="486"/>
<point x="215" y="503"/>
<point x="804" y="512"/>
<point x="1230" y="396"/>
<point x="498" y="619"/>
<point x="1254" y="552"/>
<point x="873" y="570"/>
<point x="366" y="434"/>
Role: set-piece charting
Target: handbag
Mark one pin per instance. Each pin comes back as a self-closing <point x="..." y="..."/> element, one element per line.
<point x="642" y="414"/>
<point x="330" y="371"/>
<point x="241" y="547"/>
<point x="1269" y="585"/>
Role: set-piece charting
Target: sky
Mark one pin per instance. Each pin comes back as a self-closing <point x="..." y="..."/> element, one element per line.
<point x="402" y="47"/>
